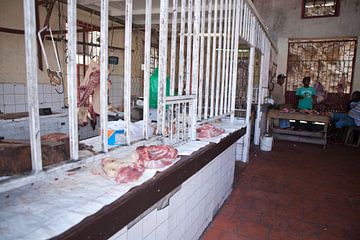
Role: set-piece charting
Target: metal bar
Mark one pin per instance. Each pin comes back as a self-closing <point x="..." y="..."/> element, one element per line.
<point x="147" y="67"/>
<point x="208" y="53"/>
<point x="224" y="50"/>
<point x="228" y="51"/>
<point x="42" y="45"/>
<point x="183" y="98"/>
<point x="85" y="43"/>
<point x="239" y="10"/>
<point x="201" y="64"/>
<point x="48" y="14"/>
<point x="181" y="48"/>
<point x="188" y="51"/>
<point x="247" y="20"/>
<point x="84" y="54"/>
<point x="260" y="99"/>
<point x="104" y="73"/>
<point x="127" y="69"/>
<point x="183" y="120"/>
<point x="32" y="84"/>
<point x="40" y="62"/>
<point x="162" y="66"/>
<point x="219" y="59"/>
<point x="213" y="62"/>
<point x="195" y="70"/>
<point x="178" y="122"/>
<point x="171" y="123"/>
<point x="72" y="81"/>
<point x="173" y="48"/>
<point x="232" y="52"/>
<point x="248" y="103"/>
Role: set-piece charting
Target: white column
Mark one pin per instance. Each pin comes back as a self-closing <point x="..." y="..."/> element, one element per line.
<point x="72" y="81"/>
<point x="127" y="68"/>
<point x="104" y="30"/>
<point x="32" y="84"/>
<point x="147" y="67"/>
<point x="163" y="38"/>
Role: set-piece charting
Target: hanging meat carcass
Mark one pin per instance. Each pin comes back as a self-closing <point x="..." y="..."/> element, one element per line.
<point x="206" y="131"/>
<point x="90" y="86"/>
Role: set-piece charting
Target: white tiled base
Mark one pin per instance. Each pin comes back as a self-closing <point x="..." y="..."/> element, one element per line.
<point x="191" y="208"/>
<point x="239" y="149"/>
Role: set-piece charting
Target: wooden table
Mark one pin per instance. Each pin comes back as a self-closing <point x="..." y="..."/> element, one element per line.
<point x="299" y="135"/>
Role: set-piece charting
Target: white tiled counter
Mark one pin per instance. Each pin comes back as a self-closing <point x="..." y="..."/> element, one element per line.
<point x="188" y="210"/>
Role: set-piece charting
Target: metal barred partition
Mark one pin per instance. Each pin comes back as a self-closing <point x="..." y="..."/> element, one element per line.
<point x="198" y="39"/>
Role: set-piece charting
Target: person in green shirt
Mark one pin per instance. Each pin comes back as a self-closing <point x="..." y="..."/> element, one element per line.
<point x="305" y="95"/>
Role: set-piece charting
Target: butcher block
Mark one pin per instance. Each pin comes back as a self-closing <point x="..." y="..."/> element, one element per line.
<point x="15" y="155"/>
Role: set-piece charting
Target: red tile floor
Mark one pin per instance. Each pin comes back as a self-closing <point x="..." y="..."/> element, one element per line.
<point x="296" y="191"/>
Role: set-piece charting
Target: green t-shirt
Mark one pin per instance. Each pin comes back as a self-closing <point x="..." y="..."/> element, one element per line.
<point x="307" y="93"/>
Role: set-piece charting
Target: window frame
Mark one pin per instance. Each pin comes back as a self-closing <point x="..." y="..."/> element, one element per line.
<point x="337" y="11"/>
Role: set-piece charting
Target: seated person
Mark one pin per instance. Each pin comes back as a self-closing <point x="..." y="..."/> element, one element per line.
<point x="352" y="118"/>
<point x="305" y="96"/>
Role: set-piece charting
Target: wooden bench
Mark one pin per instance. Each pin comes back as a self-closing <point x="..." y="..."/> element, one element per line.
<point x="299" y="136"/>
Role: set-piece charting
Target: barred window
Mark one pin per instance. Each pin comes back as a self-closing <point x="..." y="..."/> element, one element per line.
<point x="331" y="62"/>
<point x="320" y="8"/>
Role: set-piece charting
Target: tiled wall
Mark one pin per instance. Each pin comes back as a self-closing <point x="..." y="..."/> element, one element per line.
<point x="239" y="149"/>
<point x="116" y="95"/>
<point x="190" y="209"/>
<point x="88" y="132"/>
<point x="13" y="98"/>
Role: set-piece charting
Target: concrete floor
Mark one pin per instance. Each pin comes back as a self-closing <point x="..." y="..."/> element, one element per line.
<point x="297" y="191"/>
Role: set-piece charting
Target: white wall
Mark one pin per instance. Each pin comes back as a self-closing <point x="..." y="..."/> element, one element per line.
<point x="284" y="17"/>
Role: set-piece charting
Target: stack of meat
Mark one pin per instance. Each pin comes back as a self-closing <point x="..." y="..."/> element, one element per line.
<point x="206" y="131"/>
<point x="131" y="167"/>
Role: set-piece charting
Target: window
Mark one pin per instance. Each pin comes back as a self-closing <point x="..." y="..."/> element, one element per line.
<point x="320" y="8"/>
<point x="331" y="62"/>
<point x="327" y="61"/>
<point x="154" y="58"/>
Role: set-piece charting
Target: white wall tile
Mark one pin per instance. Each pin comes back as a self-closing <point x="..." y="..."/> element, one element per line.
<point x="9" y="89"/>
<point x="151" y="236"/>
<point x="40" y="88"/>
<point x="1" y="88"/>
<point x="162" y="215"/>
<point x="172" y="223"/>
<point x="149" y="223"/>
<point x="47" y="88"/>
<point x="135" y="232"/>
<point x="9" y="108"/>
<point x="47" y="98"/>
<point x="9" y="99"/>
<point x="41" y="98"/>
<point x="19" y="89"/>
<point x="20" y="108"/>
<point x="162" y="231"/>
<point x="1" y="99"/>
<point x="20" y="99"/>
